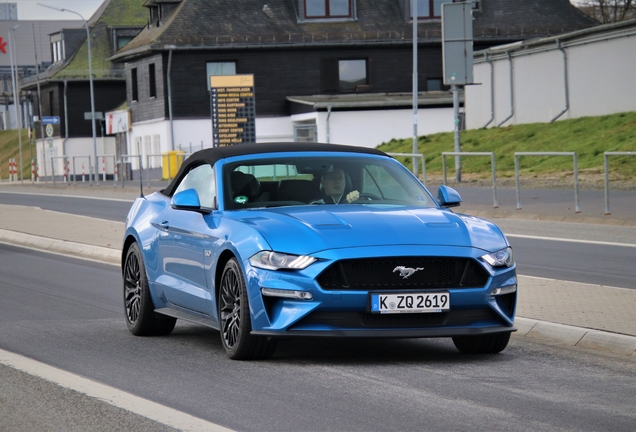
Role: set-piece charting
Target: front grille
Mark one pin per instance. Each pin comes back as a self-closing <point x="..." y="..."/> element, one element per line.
<point x="385" y="274"/>
<point x="367" y="320"/>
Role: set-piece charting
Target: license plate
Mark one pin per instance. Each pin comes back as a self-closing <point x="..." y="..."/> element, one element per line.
<point x="410" y="303"/>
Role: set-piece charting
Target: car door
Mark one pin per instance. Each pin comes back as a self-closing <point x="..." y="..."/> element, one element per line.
<point x="186" y="237"/>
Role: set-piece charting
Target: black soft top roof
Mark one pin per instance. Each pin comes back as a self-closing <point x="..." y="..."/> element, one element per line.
<point x="212" y="155"/>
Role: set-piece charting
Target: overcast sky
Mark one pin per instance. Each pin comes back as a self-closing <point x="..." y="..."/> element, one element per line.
<point x="30" y="10"/>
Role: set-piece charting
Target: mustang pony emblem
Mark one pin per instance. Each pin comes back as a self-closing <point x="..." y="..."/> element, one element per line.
<point x="406" y="272"/>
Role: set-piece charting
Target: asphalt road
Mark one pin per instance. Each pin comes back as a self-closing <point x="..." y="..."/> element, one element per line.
<point x="603" y="264"/>
<point x="101" y="208"/>
<point x="68" y="313"/>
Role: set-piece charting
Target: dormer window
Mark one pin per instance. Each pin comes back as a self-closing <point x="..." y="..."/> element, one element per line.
<point x="122" y="35"/>
<point x="328" y="9"/>
<point x="429" y="8"/>
<point x="58" y="52"/>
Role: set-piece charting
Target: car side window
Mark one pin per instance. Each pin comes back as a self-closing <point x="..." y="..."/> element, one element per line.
<point x="201" y="179"/>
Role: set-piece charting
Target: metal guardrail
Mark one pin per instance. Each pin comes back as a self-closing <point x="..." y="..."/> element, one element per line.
<point x="492" y="163"/>
<point x="576" y="173"/>
<point x="414" y="156"/>
<point x="103" y="162"/>
<point x="90" y="169"/>
<point x="606" y="168"/>
<point x="122" y="160"/>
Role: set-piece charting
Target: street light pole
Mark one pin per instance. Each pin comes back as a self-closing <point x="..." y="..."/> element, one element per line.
<point x="16" y="97"/>
<point x="90" y="79"/>
<point x="37" y="76"/>
<point x="415" y="82"/>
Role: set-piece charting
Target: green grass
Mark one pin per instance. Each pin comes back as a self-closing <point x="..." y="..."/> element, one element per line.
<point x="9" y="149"/>
<point x="589" y="137"/>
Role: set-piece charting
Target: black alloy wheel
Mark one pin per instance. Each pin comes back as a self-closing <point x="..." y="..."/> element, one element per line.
<point x="141" y="318"/>
<point x="235" y="320"/>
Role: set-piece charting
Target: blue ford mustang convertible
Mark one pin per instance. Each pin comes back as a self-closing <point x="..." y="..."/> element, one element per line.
<point x="269" y="241"/>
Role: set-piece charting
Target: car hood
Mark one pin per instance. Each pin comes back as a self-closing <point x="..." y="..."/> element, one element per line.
<point x="310" y="229"/>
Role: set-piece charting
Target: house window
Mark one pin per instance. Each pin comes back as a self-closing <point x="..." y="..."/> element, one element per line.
<point x="327" y="8"/>
<point x="351" y="74"/>
<point x="58" y="51"/>
<point x="135" y="85"/>
<point x="434" y="84"/>
<point x="305" y="133"/>
<point x="152" y="82"/>
<point x="219" y="68"/>
<point x="123" y="40"/>
<point x="429" y="8"/>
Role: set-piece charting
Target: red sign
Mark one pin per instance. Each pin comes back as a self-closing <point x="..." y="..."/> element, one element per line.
<point x="3" y="46"/>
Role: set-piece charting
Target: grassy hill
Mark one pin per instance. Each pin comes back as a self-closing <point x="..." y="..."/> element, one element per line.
<point x="9" y="149"/>
<point x="589" y="137"/>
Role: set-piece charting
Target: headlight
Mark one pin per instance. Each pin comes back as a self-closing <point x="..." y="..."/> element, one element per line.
<point x="501" y="258"/>
<point x="277" y="261"/>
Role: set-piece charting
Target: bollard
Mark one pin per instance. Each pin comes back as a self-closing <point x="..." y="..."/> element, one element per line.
<point x="104" y="170"/>
<point x="83" y="179"/>
<point x="14" y="170"/>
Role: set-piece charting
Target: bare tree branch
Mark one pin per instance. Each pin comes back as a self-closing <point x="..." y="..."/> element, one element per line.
<point x="609" y="11"/>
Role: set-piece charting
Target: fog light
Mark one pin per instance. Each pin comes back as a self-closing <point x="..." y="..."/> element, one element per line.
<point x="293" y="294"/>
<point x="504" y="290"/>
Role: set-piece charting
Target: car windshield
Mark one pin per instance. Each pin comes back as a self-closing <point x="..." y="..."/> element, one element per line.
<point x="275" y="182"/>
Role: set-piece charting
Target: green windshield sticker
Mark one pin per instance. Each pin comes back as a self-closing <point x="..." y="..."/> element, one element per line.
<point x="241" y="199"/>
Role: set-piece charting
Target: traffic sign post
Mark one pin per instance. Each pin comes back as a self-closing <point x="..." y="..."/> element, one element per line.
<point x="51" y="120"/>
<point x="457" y="47"/>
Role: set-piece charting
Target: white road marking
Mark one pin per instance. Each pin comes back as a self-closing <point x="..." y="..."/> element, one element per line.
<point x="129" y="200"/>
<point x="110" y="395"/>
<point x="572" y="240"/>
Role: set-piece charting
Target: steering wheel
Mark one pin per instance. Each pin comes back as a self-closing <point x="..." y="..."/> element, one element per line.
<point x="366" y="196"/>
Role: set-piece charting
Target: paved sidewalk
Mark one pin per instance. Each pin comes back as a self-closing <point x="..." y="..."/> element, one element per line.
<point x="576" y="314"/>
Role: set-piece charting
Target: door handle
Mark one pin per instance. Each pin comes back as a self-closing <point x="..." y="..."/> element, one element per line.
<point x="163" y="226"/>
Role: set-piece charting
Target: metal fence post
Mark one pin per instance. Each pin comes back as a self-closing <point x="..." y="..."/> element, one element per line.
<point x="576" y="173"/>
<point x="492" y="162"/>
<point x="606" y="156"/>
<point x="517" y="181"/>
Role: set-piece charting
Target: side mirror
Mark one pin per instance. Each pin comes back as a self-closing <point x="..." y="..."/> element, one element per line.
<point x="186" y="200"/>
<point x="448" y="197"/>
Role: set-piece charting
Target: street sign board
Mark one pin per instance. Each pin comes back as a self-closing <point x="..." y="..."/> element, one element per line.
<point x="457" y="43"/>
<point x="50" y="120"/>
<point x="89" y="115"/>
<point x="233" y="109"/>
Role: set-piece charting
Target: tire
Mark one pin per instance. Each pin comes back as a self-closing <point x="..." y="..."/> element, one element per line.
<point x="486" y="344"/>
<point x="234" y="318"/>
<point x="141" y="318"/>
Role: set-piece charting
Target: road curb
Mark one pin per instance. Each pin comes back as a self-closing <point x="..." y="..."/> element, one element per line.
<point x="80" y="250"/>
<point x="544" y="331"/>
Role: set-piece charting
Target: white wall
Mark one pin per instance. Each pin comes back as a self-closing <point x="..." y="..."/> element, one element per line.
<point x="372" y="128"/>
<point x="78" y="148"/>
<point x="361" y="128"/>
<point x="600" y="77"/>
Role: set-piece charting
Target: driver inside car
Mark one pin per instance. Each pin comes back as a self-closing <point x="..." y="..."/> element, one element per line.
<point x="333" y="187"/>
